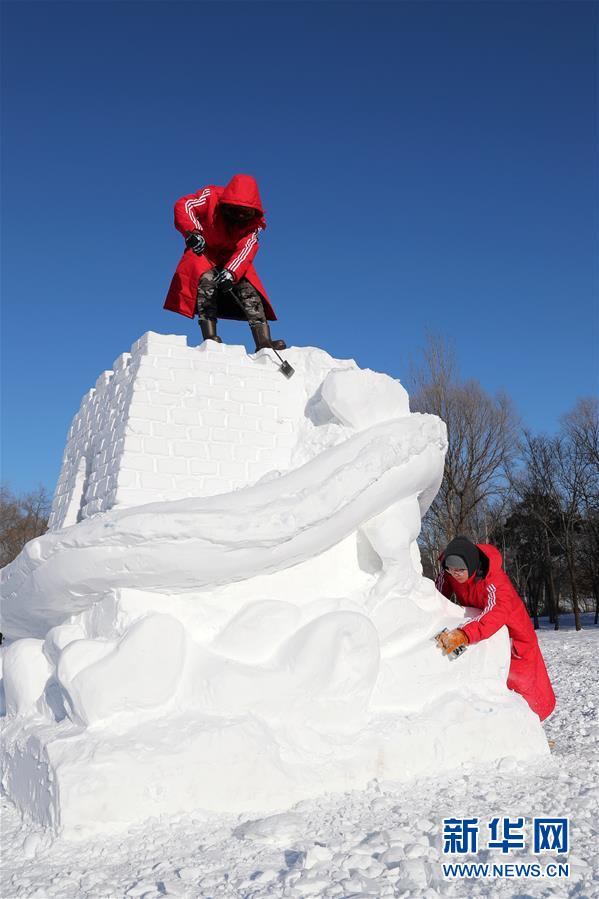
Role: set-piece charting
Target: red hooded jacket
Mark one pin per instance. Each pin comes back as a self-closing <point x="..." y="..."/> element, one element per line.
<point x="228" y="245"/>
<point x="496" y="596"/>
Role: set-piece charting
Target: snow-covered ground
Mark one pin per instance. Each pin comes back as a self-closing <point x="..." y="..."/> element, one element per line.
<point x="382" y="841"/>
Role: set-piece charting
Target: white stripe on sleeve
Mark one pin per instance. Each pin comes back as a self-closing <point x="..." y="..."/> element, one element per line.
<point x="491" y="597"/>
<point x="237" y="262"/>
<point x="192" y="204"/>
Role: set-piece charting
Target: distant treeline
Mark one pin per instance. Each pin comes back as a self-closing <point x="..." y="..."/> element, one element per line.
<point x="22" y="517"/>
<point x="534" y="497"/>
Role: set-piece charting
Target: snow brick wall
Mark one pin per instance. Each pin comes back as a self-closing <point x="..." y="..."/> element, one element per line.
<point x="172" y="421"/>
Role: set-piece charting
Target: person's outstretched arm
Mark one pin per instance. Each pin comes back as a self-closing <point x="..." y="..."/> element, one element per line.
<point x="244" y="253"/>
<point x="190" y="210"/>
<point x="494" y="615"/>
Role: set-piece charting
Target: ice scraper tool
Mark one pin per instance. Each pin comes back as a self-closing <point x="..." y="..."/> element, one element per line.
<point x="284" y="367"/>
<point x="457" y="651"/>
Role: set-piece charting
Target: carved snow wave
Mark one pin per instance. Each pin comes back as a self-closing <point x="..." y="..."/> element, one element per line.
<point x="180" y="546"/>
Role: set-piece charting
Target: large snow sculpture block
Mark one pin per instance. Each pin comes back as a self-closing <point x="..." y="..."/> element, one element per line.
<point x="239" y="649"/>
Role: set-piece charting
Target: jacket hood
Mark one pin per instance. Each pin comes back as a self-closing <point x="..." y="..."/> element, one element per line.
<point x="242" y="190"/>
<point x="493" y="555"/>
<point x="482" y="559"/>
<point x="466" y="549"/>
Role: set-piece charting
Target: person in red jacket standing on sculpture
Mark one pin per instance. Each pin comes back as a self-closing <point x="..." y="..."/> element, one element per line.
<point x="474" y="573"/>
<point x="221" y="227"/>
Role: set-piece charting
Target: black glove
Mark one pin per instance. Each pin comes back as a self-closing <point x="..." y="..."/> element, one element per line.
<point x="195" y="241"/>
<point x="225" y="280"/>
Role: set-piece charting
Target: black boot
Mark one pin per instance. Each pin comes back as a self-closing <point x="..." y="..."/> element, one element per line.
<point x="263" y="340"/>
<point x="208" y="326"/>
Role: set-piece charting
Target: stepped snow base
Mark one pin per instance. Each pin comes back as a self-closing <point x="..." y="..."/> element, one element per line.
<point x="330" y="710"/>
<point x="81" y="783"/>
<point x="243" y="650"/>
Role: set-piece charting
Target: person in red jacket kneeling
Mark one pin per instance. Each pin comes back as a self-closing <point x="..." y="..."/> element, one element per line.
<point x="474" y="574"/>
<point x="221" y="227"/>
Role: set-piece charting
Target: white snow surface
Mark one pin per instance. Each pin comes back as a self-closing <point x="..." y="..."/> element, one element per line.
<point x="244" y="651"/>
<point x="383" y="840"/>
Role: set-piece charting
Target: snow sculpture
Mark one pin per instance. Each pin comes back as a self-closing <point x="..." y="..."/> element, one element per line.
<point x="229" y="611"/>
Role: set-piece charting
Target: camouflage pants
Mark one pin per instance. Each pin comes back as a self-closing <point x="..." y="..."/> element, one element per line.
<point x="246" y="293"/>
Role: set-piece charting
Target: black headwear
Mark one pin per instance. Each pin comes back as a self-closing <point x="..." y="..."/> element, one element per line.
<point x="466" y="549"/>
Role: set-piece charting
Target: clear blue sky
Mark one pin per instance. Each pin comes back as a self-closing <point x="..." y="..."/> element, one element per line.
<point x="424" y="166"/>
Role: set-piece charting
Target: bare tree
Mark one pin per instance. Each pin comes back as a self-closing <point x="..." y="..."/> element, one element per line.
<point x="524" y="537"/>
<point x="482" y="433"/>
<point x="21" y="519"/>
<point x="556" y="468"/>
<point x="581" y="427"/>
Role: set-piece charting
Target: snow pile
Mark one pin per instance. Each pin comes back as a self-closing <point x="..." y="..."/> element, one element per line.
<point x="245" y="650"/>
